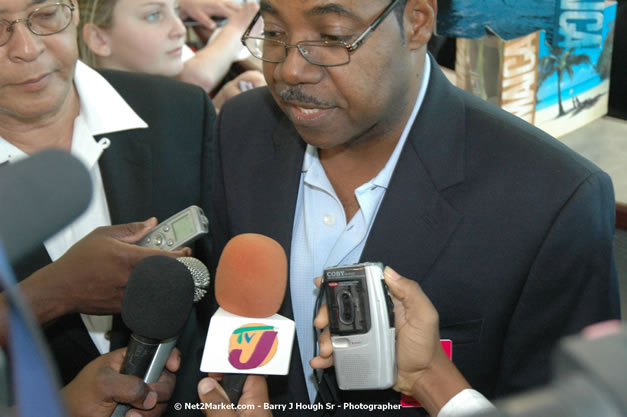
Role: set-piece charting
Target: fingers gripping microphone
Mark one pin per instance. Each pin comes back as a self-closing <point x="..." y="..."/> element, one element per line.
<point x="156" y="304"/>
<point x="246" y="335"/>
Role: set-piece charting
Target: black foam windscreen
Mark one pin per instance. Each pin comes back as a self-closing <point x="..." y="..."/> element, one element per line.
<point x="40" y="195"/>
<point x="158" y="298"/>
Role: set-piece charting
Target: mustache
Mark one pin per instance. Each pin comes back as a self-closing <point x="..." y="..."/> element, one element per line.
<point x="296" y="94"/>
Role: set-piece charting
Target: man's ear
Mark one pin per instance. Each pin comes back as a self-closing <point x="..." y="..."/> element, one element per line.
<point x="96" y="40"/>
<point x="419" y="22"/>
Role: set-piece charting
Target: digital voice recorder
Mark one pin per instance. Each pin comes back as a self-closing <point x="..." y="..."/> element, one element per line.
<point x="361" y="321"/>
<point x="179" y="230"/>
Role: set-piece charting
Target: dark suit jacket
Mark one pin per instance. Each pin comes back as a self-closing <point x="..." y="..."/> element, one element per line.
<point x="147" y="172"/>
<point x="508" y="232"/>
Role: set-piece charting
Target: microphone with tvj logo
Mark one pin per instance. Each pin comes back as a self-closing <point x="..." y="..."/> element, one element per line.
<point x="245" y="335"/>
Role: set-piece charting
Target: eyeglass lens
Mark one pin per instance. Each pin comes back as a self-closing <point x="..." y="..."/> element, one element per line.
<point x="275" y="51"/>
<point x="45" y="20"/>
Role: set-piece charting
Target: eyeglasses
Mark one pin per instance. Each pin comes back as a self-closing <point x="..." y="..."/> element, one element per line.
<point x="43" y="21"/>
<point x="322" y="52"/>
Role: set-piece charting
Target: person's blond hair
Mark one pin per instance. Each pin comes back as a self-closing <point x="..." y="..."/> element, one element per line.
<point x="98" y="13"/>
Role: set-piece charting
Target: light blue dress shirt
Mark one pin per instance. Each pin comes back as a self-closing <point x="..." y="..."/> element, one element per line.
<point x="322" y="237"/>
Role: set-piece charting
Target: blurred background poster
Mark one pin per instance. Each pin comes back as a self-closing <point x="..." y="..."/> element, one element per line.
<point x="508" y="19"/>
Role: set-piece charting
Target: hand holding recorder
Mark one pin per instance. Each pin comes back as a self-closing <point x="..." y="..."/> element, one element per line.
<point x="94" y="272"/>
<point x="423" y="369"/>
<point x="91" y="276"/>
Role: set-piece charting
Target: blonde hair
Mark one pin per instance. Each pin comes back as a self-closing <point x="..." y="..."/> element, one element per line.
<point x="98" y="13"/>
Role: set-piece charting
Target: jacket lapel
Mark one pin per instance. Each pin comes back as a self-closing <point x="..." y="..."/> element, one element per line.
<point x="125" y="168"/>
<point x="415" y="221"/>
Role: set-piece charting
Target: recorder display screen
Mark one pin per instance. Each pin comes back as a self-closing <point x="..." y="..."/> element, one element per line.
<point x="183" y="227"/>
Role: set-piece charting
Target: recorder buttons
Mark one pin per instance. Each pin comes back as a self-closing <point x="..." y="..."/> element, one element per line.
<point x="158" y="239"/>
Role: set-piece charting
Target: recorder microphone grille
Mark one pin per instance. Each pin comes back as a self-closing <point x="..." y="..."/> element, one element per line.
<point x="356" y="370"/>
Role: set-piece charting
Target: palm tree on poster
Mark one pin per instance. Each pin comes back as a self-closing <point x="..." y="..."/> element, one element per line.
<point x="560" y="61"/>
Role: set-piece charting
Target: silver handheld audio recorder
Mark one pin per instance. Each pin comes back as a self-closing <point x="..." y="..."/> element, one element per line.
<point x="179" y="230"/>
<point x="361" y="322"/>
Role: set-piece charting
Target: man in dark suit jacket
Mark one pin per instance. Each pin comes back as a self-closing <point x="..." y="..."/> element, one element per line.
<point x="148" y="141"/>
<point x="508" y="232"/>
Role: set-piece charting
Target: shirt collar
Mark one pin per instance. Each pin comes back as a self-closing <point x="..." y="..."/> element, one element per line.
<point x="102" y="107"/>
<point x="9" y="152"/>
<point x="382" y="179"/>
<point x="83" y="147"/>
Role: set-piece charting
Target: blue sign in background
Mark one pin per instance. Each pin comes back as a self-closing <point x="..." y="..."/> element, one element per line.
<point x="509" y="19"/>
<point x="585" y="76"/>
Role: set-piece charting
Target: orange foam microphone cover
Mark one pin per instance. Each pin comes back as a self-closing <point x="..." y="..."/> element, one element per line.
<point x="251" y="276"/>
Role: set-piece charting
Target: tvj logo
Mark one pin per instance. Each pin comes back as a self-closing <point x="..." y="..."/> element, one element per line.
<point x="252" y="345"/>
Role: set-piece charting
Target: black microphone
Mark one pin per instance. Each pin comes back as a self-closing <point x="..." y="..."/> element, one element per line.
<point x="200" y="275"/>
<point x="40" y="195"/>
<point x="156" y="304"/>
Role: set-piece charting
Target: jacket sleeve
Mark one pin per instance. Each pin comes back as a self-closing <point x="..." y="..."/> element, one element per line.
<point x="572" y="283"/>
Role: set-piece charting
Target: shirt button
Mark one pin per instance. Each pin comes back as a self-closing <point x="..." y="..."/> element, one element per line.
<point x="107" y="335"/>
<point x="328" y="220"/>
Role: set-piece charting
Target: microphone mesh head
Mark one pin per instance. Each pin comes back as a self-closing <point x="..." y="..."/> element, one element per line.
<point x="251" y="276"/>
<point x="200" y="274"/>
<point x="158" y="298"/>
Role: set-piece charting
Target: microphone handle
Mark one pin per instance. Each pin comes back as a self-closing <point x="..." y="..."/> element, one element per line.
<point x="120" y="410"/>
<point x="140" y="352"/>
<point x="139" y="356"/>
<point x="233" y="385"/>
<point x="159" y="359"/>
